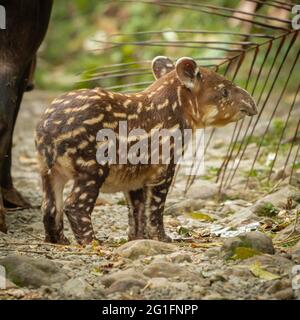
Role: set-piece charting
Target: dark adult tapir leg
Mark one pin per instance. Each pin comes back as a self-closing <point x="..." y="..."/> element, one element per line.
<point x="26" y="26"/>
<point x="11" y="197"/>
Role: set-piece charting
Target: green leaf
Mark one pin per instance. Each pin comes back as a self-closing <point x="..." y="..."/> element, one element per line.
<point x="259" y="272"/>
<point x="122" y="202"/>
<point x="185" y="232"/>
<point x="242" y="253"/>
<point x="201" y="216"/>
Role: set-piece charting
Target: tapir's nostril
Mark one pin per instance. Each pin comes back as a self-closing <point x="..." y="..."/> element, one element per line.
<point x="249" y="107"/>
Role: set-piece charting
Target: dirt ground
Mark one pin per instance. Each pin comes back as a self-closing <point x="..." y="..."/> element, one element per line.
<point x="209" y="259"/>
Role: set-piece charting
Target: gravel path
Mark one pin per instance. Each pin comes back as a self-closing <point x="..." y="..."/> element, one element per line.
<point x="215" y="254"/>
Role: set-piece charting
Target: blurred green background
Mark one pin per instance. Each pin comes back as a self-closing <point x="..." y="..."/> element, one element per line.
<point x="74" y="48"/>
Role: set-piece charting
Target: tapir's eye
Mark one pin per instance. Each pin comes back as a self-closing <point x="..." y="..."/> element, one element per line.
<point x="225" y="92"/>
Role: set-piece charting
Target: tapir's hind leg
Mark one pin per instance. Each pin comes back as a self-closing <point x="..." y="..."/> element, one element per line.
<point x="53" y="186"/>
<point x="80" y="204"/>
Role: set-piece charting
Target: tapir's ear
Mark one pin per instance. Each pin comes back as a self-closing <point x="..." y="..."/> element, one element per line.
<point x="161" y="66"/>
<point x="186" y="69"/>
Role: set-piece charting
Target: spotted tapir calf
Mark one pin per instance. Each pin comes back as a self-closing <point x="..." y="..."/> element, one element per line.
<point x="26" y="22"/>
<point x="184" y="96"/>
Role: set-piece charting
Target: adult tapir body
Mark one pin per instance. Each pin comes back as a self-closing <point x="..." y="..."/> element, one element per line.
<point x="26" y="23"/>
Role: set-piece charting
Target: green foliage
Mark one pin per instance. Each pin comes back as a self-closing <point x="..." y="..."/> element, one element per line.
<point x="261" y="273"/>
<point x="185" y="232"/>
<point x="242" y="253"/>
<point x="201" y="216"/>
<point x="74" y="52"/>
<point x="267" y="210"/>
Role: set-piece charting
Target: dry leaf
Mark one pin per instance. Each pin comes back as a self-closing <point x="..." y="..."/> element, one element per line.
<point x="259" y="272"/>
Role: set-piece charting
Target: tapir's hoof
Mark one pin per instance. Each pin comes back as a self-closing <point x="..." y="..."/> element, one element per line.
<point x="165" y="238"/>
<point x="64" y="241"/>
<point x="3" y="228"/>
<point x="29" y="87"/>
<point x="2" y="222"/>
<point x="13" y="199"/>
<point x="57" y="240"/>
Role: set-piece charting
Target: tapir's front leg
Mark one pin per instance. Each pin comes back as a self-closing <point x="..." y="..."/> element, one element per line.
<point x="14" y="84"/>
<point x="136" y="218"/>
<point x="155" y="198"/>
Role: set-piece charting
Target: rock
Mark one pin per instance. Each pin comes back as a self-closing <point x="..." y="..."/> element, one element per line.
<point x="79" y="289"/>
<point x="232" y="206"/>
<point x="170" y="270"/>
<point x="295" y="253"/>
<point x="159" y="282"/>
<point x="205" y="190"/>
<point x="126" y="284"/>
<point x="241" y="218"/>
<point x="250" y="214"/>
<point x="213" y="296"/>
<point x="184" y="206"/>
<point x="25" y="271"/>
<point x="137" y="248"/>
<point x="280" y="174"/>
<point x="286" y="294"/>
<point x="279" y="285"/>
<point x="180" y="257"/>
<point x="183" y="286"/>
<point x="108" y="280"/>
<point x="271" y="263"/>
<point x="255" y="240"/>
<point x="284" y="233"/>
<point x="10" y="285"/>
<point x="279" y="198"/>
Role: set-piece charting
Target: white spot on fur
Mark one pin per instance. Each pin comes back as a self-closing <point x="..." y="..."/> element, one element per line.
<point x="210" y="115"/>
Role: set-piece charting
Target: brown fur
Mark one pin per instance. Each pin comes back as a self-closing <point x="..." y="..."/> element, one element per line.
<point x="187" y="97"/>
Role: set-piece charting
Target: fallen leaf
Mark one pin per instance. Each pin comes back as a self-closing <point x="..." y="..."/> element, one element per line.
<point x="200" y="216"/>
<point x="259" y="272"/>
<point x="242" y="253"/>
<point x="102" y="202"/>
<point x="185" y="232"/>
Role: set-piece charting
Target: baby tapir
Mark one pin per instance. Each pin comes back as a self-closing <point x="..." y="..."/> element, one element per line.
<point x="184" y="96"/>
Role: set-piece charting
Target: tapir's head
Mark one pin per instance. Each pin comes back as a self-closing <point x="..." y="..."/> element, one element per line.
<point x="211" y="99"/>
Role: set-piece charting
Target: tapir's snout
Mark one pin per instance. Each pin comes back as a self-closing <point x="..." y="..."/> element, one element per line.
<point x="247" y="104"/>
<point x="249" y="107"/>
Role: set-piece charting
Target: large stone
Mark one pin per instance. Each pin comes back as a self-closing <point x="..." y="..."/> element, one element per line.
<point x="180" y="257"/>
<point x="241" y="218"/>
<point x="255" y="240"/>
<point x="80" y="289"/>
<point x="275" y="264"/>
<point x="184" y="206"/>
<point x="279" y="198"/>
<point x="252" y="213"/>
<point x="137" y="248"/>
<point x="126" y="284"/>
<point x="295" y="252"/>
<point x="25" y="271"/>
<point x="286" y="232"/>
<point x="204" y="190"/>
<point x="286" y="294"/>
<point x="170" y="270"/>
<point x="109" y="279"/>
